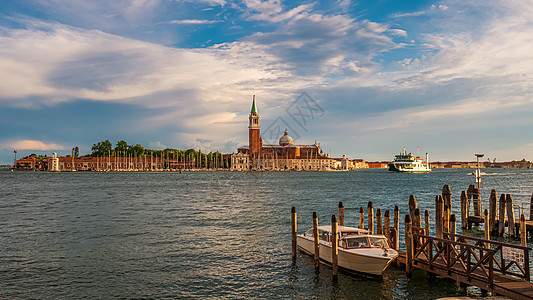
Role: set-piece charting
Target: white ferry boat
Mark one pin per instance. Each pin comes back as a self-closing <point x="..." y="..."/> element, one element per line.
<point x="359" y="250"/>
<point x="407" y="162"/>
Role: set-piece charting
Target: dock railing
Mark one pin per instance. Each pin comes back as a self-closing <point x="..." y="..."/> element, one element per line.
<point x="471" y="257"/>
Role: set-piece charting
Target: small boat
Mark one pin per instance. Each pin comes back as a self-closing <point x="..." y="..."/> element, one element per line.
<point x="359" y="250"/>
<point x="407" y="162"/>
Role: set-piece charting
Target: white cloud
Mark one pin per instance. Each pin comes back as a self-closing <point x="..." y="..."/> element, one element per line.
<point x="30" y="145"/>
<point x="192" y="21"/>
<point x="157" y="145"/>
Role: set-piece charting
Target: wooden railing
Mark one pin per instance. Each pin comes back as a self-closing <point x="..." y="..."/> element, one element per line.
<point x="470" y="257"/>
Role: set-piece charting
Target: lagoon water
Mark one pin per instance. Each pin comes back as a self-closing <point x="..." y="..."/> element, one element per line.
<point x="205" y="234"/>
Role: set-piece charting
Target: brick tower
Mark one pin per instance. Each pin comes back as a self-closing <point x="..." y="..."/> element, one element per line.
<point x="254" y="132"/>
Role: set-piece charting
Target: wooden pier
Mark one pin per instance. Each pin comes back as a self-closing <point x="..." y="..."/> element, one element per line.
<point x="492" y="266"/>
<point x="501" y="268"/>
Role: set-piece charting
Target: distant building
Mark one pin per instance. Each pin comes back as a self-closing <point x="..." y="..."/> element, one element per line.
<point x="283" y="156"/>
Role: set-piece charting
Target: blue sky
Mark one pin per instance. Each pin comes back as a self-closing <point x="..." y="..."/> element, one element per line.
<point x="454" y="77"/>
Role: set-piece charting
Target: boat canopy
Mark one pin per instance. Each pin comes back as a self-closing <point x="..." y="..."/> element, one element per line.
<point x="344" y="229"/>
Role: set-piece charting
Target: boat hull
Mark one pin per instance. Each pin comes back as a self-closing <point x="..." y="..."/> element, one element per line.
<point x="396" y="168"/>
<point x="361" y="260"/>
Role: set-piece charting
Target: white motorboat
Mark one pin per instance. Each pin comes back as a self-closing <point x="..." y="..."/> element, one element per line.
<point x="359" y="250"/>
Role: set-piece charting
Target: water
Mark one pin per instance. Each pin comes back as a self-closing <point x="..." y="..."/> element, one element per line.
<point x="204" y="235"/>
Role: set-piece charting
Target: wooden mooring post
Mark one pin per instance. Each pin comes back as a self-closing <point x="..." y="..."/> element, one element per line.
<point x="439" y="210"/>
<point x="379" y="219"/>
<point x="361" y="218"/>
<point x="501" y="215"/>
<point x="397" y="227"/>
<point x="386" y="225"/>
<point x="426" y="222"/>
<point x="447" y="196"/>
<point x="316" y="241"/>
<point x="412" y="207"/>
<point x="334" y="247"/>
<point x="531" y="209"/>
<point x="408" y="246"/>
<point x="523" y="232"/>
<point x="487" y="224"/>
<point x="370" y="217"/>
<point x="492" y="210"/>
<point x="477" y="202"/>
<point x="453" y="224"/>
<point x="293" y="227"/>
<point x="464" y="210"/>
<point x="341" y="213"/>
<point x="417" y="221"/>
<point x="446" y="218"/>
<point x="510" y="215"/>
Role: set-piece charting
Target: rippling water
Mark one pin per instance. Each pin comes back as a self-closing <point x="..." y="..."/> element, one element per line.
<point x="204" y="235"/>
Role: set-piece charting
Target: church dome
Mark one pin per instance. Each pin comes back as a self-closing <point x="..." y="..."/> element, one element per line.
<point x="285" y="139"/>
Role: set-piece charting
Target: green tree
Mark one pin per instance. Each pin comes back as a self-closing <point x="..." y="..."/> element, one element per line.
<point x="122" y="147"/>
<point x="76" y="151"/>
<point x="103" y="148"/>
<point x="138" y="150"/>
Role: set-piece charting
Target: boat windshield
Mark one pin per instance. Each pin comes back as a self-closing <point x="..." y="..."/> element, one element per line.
<point x="357" y="242"/>
<point x="364" y="242"/>
<point x="378" y="242"/>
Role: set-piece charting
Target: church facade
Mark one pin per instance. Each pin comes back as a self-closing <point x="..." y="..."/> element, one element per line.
<point x="284" y="156"/>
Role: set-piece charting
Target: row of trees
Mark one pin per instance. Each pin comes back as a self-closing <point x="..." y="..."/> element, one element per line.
<point x="189" y="156"/>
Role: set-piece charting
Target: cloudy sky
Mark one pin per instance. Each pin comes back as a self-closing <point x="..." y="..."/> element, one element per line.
<point x="364" y="78"/>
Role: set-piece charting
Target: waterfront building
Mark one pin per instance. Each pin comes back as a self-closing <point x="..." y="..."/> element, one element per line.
<point x="282" y="156"/>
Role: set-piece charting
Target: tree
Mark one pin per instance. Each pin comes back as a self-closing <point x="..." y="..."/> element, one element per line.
<point x="102" y="148"/>
<point x="122" y="147"/>
<point x="138" y="150"/>
<point x="76" y="151"/>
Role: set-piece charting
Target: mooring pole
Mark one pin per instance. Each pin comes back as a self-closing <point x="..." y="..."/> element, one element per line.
<point x="453" y="224"/>
<point x="477" y="202"/>
<point x="438" y="216"/>
<point x="487" y="224"/>
<point x="501" y="215"/>
<point x="370" y="217"/>
<point x="386" y="225"/>
<point x="417" y="221"/>
<point x="334" y="246"/>
<point x="379" y="219"/>
<point x="447" y="196"/>
<point x="510" y="214"/>
<point x="341" y="213"/>
<point x="426" y="222"/>
<point x="293" y="226"/>
<point x="523" y="232"/>
<point x="446" y="218"/>
<point x="464" y="210"/>
<point x="492" y="210"/>
<point x="361" y="218"/>
<point x="412" y="206"/>
<point x="316" y="240"/>
<point x="396" y="227"/>
<point x="408" y="246"/>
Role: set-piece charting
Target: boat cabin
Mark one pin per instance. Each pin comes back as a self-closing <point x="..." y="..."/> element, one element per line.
<point x="351" y="237"/>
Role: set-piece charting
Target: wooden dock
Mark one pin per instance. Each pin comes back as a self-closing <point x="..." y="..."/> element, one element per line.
<point x="492" y="266"/>
<point x="501" y="268"/>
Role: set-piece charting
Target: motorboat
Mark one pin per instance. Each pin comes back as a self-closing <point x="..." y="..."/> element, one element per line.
<point x="359" y="250"/>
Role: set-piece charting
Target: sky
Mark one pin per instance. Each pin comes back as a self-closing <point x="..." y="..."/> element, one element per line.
<point x="363" y="78"/>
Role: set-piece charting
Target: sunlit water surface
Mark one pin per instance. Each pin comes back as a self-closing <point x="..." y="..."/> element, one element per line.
<point x="205" y="235"/>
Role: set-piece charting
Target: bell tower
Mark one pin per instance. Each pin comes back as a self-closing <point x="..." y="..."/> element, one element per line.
<point x="254" y="133"/>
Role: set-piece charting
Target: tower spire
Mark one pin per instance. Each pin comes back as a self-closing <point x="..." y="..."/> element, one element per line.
<point x="254" y="108"/>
